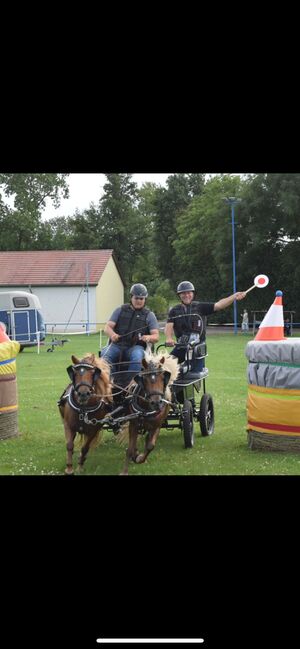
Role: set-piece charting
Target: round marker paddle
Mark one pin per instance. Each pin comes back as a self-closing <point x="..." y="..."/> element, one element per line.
<point x="260" y="281"/>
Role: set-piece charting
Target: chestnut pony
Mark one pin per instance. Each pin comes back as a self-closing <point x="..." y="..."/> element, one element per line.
<point x="150" y="403"/>
<point x="84" y="403"/>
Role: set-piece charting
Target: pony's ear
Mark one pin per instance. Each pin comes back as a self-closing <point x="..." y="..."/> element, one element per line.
<point x="70" y="371"/>
<point x="145" y="364"/>
<point x="75" y="360"/>
<point x="167" y="376"/>
<point x="97" y="373"/>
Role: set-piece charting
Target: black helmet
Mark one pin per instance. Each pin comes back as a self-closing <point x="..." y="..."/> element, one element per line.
<point x="185" y="286"/>
<point x="138" y="290"/>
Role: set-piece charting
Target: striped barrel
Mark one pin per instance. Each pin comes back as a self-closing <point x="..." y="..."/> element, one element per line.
<point x="273" y="403"/>
<point x="8" y="389"/>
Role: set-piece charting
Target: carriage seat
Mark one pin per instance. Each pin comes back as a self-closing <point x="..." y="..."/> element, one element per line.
<point x="188" y="377"/>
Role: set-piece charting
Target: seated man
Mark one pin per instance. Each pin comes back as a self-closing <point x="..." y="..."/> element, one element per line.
<point x="185" y="319"/>
<point x="130" y="328"/>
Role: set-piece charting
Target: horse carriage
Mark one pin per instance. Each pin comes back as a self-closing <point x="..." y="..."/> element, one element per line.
<point x="164" y="394"/>
<point x="187" y="405"/>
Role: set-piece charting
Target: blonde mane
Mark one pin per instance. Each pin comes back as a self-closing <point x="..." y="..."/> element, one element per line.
<point x="169" y="363"/>
<point x="103" y="384"/>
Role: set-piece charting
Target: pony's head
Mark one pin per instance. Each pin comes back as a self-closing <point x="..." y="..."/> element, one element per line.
<point x="158" y="372"/>
<point x="90" y="376"/>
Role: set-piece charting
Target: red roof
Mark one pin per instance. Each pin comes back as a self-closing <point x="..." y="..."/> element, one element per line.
<point x="53" y="267"/>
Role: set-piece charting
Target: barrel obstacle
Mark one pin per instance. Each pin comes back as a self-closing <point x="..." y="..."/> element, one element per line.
<point x="8" y="386"/>
<point x="273" y="403"/>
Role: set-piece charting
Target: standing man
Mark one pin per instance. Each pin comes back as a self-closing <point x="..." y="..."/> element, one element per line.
<point x="130" y="328"/>
<point x="245" y="321"/>
<point x="186" y="318"/>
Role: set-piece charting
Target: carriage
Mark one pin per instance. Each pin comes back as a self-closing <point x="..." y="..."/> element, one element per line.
<point x="162" y="395"/>
<point x="188" y="405"/>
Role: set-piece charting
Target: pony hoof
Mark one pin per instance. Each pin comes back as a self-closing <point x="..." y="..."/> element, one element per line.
<point x="69" y="471"/>
<point x="139" y="459"/>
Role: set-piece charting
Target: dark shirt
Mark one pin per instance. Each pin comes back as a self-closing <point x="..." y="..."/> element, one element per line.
<point x="188" y="323"/>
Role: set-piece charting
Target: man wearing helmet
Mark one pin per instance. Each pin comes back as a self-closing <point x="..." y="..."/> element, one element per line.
<point x="130" y="328"/>
<point x="190" y="317"/>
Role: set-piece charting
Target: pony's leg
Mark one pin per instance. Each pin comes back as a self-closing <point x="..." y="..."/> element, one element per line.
<point x="70" y="436"/>
<point x="132" y="451"/>
<point x="150" y="442"/>
<point x="85" y="449"/>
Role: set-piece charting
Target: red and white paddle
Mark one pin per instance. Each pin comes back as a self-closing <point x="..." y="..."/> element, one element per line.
<point x="260" y="281"/>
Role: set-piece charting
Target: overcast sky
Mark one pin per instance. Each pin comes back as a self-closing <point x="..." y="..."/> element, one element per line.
<point x="87" y="188"/>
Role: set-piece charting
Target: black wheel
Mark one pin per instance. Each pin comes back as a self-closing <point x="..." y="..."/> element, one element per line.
<point x="188" y="424"/>
<point x="206" y="415"/>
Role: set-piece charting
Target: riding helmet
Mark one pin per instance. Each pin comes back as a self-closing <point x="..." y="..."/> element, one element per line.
<point x="185" y="286"/>
<point x="138" y="290"/>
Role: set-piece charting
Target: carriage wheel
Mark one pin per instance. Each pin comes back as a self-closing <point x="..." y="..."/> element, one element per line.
<point x="206" y="415"/>
<point x="188" y="424"/>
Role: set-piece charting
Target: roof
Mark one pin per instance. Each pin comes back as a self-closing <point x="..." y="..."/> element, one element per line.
<point x="53" y="267"/>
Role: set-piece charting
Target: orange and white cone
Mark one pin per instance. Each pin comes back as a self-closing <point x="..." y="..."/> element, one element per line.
<point x="3" y="336"/>
<point x="272" y="326"/>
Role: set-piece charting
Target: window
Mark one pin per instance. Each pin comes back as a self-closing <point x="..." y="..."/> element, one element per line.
<point x="20" y="302"/>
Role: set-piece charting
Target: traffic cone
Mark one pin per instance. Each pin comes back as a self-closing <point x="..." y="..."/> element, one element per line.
<point x="3" y="336"/>
<point x="272" y="326"/>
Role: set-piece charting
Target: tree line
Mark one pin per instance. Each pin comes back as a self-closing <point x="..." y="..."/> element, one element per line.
<point x="162" y="235"/>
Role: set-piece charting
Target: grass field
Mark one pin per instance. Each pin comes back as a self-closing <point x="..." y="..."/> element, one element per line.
<point x="40" y="447"/>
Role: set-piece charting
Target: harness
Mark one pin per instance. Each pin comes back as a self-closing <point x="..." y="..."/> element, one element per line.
<point x="83" y="409"/>
<point x="152" y="371"/>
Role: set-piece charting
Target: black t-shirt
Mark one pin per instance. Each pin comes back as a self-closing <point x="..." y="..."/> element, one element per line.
<point x="188" y="323"/>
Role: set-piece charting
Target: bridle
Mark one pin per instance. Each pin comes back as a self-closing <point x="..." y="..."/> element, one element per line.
<point x="145" y="394"/>
<point x="74" y="392"/>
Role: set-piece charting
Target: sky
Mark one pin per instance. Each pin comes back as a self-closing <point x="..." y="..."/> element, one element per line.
<point x="87" y="188"/>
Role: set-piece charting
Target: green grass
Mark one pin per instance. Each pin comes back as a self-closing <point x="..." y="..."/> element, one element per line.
<point x="40" y="448"/>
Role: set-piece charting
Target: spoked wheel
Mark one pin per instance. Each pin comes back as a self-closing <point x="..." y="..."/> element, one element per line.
<point x="188" y="424"/>
<point x="206" y="415"/>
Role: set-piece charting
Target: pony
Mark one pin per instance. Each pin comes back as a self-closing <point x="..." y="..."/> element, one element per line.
<point x="150" y="403"/>
<point x="84" y="404"/>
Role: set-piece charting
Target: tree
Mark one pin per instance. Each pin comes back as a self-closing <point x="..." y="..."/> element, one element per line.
<point x="203" y="239"/>
<point x="31" y="190"/>
<point x="119" y="222"/>
<point x="20" y="223"/>
<point x="170" y="204"/>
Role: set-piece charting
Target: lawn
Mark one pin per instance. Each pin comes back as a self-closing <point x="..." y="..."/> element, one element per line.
<point x="40" y="447"/>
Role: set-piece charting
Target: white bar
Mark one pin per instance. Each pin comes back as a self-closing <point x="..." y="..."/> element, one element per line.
<point x="150" y="640"/>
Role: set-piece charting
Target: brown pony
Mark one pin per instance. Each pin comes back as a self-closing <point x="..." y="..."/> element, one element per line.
<point x="150" y="403"/>
<point x="84" y="404"/>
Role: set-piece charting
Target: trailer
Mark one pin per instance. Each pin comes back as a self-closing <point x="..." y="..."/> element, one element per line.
<point x="22" y="314"/>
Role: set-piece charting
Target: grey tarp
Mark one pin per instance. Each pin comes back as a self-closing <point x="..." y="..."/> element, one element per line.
<point x="285" y="354"/>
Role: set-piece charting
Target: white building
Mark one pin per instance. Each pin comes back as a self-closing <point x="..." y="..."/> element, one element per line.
<point x="77" y="288"/>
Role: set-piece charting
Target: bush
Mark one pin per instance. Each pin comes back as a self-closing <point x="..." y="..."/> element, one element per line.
<point x="159" y="305"/>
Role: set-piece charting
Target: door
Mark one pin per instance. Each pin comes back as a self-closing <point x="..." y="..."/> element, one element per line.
<point x="21" y="326"/>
